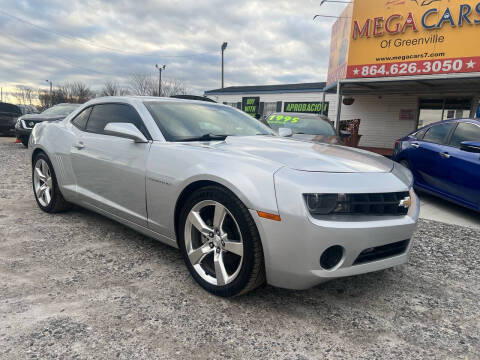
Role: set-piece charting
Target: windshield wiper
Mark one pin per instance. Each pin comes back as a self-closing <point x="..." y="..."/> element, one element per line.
<point x="204" y="137"/>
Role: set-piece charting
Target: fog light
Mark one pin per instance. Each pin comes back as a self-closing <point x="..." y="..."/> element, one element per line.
<point x="331" y="257"/>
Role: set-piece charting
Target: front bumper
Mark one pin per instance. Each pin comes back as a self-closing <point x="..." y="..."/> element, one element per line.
<point x="293" y="246"/>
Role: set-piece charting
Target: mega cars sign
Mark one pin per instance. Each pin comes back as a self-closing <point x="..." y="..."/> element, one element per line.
<point x="413" y="37"/>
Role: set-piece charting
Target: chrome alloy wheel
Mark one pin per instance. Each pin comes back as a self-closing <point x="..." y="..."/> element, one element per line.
<point x="43" y="183"/>
<point x="213" y="242"/>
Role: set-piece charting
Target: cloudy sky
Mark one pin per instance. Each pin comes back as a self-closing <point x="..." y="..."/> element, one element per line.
<point x="269" y="41"/>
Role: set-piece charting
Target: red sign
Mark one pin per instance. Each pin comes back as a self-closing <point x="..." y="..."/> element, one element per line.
<point x="409" y="68"/>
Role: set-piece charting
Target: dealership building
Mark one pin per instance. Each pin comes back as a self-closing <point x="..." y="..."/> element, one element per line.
<point x="393" y="68"/>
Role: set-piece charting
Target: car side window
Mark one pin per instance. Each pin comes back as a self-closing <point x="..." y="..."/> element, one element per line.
<point x="437" y="134"/>
<point x="465" y="132"/>
<point x="420" y="134"/>
<point x="80" y="121"/>
<point x="104" y="114"/>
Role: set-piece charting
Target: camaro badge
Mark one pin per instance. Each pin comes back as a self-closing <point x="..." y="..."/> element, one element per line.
<point x="406" y="202"/>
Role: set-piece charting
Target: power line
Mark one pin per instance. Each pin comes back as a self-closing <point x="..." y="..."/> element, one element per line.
<point x="90" y="43"/>
<point x="56" y="56"/>
<point x="331" y="16"/>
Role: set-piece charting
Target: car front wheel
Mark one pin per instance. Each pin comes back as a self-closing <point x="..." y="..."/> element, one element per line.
<point x="220" y="243"/>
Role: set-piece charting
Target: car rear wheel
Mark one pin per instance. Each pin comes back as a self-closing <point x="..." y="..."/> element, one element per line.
<point x="220" y="243"/>
<point x="45" y="186"/>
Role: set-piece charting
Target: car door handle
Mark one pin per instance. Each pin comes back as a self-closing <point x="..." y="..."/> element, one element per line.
<point x="445" y="155"/>
<point x="415" y="145"/>
<point x="79" y="145"/>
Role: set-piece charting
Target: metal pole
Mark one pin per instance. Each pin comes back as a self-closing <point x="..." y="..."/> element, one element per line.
<point x="323" y="104"/>
<point x="160" y="82"/>
<point x="160" y="68"/>
<point x="224" y="46"/>
<point x="339" y="106"/>
<point x="222" y="71"/>
<point x="51" y="99"/>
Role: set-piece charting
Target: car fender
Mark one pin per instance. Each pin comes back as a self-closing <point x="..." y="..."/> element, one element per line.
<point x="173" y="168"/>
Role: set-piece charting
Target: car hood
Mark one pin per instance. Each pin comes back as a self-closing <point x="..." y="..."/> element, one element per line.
<point x="305" y="156"/>
<point x="328" y="139"/>
<point x="41" y="117"/>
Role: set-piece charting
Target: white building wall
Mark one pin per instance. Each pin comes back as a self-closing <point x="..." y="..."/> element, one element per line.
<point x="380" y="122"/>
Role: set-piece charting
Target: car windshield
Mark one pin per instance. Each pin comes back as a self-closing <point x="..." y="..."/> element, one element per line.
<point x="301" y="124"/>
<point x="191" y="121"/>
<point x="60" y="110"/>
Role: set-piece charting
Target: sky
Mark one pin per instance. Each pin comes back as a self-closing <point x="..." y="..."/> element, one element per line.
<point x="94" y="41"/>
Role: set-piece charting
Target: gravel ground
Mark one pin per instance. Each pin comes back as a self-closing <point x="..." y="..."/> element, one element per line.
<point x="77" y="285"/>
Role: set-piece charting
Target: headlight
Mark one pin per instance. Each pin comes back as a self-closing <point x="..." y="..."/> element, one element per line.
<point x="323" y="204"/>
<point x="18" y="123"/>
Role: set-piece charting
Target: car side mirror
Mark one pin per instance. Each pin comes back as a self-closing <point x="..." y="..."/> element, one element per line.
<point x="285" y="132"/>
<point x="125" y="130"/>
<point x="470" y="146"/>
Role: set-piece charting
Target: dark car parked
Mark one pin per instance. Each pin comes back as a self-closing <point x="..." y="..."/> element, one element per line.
<point x="25" y="123"/>
<point x="444" y="158"/>
<point x="310" y="127"/>
<point x="9" y="114"/>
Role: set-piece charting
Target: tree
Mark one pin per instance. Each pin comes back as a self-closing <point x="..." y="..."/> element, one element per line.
<point x="71" y="92"/>
<point x="113" y="88"/>
<point x="24" y="95"/>
<point x="147" y="85"/>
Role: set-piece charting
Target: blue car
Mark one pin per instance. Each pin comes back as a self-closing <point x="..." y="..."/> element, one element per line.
<point x="444" y="158"/>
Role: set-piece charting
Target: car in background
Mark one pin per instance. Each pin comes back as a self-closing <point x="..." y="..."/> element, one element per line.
<point x="310" y="127"/>
<point x="25" y="123"/>
<point x="9" y="113"/>
<point x="444" y="158"/>
<point x="28" y="109"/>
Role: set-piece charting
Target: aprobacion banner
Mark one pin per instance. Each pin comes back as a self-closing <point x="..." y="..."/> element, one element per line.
<point x="413" y="37"/>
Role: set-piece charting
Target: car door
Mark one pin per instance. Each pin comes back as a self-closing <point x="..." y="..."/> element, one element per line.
<point x="424" y="157"/>
<point x="462" y="167"/>
<point x="110" y="170"/>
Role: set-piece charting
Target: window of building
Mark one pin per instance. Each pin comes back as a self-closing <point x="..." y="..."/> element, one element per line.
<point x="269" y="108"/>
<point x="433" y="110"/>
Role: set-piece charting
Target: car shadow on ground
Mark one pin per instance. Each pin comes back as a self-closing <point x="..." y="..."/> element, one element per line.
<point x="354" y="289"/>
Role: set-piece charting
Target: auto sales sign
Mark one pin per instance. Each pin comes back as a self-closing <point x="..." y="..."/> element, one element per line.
<point x="413" y="37"/>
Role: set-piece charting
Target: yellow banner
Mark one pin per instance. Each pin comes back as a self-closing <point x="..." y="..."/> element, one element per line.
<point x="413" y="37"/>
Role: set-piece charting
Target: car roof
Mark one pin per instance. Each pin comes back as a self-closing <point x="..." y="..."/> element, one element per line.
<point x="140" y="99"/>
<point x="446" y="122"/>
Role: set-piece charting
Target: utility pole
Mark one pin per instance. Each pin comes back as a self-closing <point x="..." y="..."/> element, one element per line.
<point x="224" y="46"/>
<point x="160" y="68"/>
<point x="51" y="97"/>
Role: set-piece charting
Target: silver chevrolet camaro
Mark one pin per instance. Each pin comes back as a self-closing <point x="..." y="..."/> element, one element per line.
<point x="244" y="205"/>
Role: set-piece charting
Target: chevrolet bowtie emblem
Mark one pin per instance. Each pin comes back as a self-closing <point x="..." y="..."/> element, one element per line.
<point x="406" y="202"/>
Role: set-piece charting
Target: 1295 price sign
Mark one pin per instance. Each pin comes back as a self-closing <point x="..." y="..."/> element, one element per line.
<point x="425" y="67"/>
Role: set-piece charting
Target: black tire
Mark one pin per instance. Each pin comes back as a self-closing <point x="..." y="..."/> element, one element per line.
<point x="24" y="141"/>
<point x="58" y="202"/>
<point x="405" y="163"/>
<point x="252" y="271"/>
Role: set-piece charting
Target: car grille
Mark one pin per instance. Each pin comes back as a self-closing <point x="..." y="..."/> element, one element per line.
<point x="374" y="204"/>
<point x="382" y="252"/>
